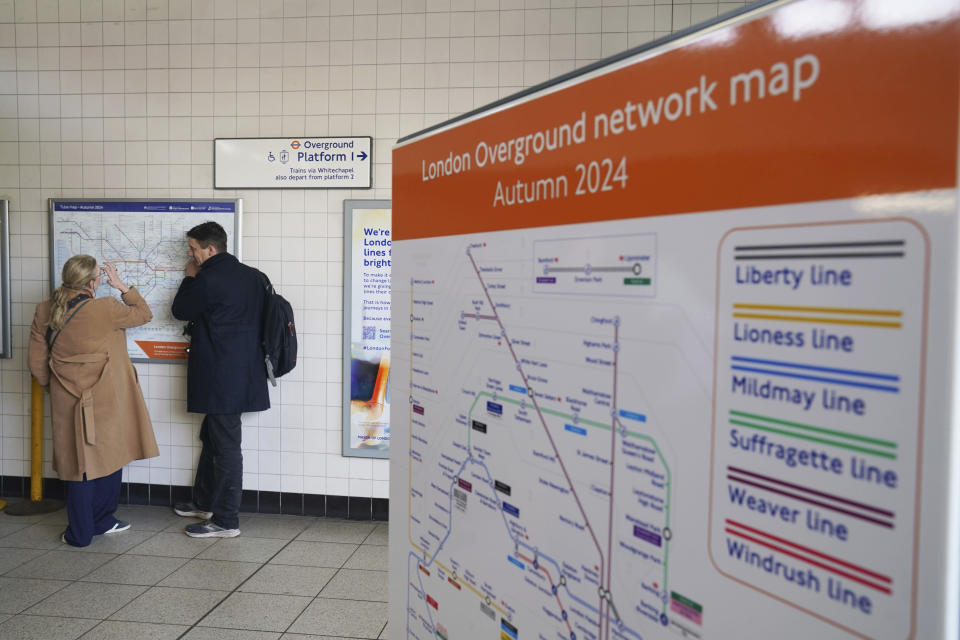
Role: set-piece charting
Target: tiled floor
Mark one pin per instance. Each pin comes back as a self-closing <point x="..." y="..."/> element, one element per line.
<point x="285" y="577"/>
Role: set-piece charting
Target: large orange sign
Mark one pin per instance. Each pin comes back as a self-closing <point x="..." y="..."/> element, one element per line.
<point x="783" y="108"/>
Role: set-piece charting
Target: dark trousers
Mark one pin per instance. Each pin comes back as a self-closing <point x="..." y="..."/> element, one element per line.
<point x="219" y="481"/>
<point x="90" y="507"/>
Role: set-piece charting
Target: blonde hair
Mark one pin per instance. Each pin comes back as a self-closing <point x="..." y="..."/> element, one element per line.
<point x="78" y="272"/>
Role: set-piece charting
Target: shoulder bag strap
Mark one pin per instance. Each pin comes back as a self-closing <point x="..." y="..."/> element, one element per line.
<point x="65" y="323"/>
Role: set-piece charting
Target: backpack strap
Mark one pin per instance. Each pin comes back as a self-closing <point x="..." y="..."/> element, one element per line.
<point x="79" y="302"/>
<point x="268" y="293"/>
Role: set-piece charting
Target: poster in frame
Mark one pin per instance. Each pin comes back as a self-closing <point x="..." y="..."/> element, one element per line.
<point x="367" y="250"/>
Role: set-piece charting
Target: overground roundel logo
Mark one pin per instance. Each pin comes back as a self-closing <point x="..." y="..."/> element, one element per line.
<point x="295" y="144"/>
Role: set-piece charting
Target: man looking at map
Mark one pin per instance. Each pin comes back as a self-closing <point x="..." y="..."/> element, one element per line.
<point x="222" y="300"/>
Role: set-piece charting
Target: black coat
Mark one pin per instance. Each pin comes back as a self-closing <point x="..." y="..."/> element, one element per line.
<point x="224" y="305"/>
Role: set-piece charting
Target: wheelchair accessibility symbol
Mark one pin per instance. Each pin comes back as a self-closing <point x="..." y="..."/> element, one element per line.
<point x="270" y="156"/>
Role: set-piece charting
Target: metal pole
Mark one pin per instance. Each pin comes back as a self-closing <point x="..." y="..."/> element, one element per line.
<point x="36" y="504"/>
<point x="36" y="440"/>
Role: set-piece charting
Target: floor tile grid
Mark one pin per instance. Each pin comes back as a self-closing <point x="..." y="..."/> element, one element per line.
<point x="341" y="599"/>
<point x="238" y="587"/>
<point x="39" y="537"/>
<point x="293" y="626"/>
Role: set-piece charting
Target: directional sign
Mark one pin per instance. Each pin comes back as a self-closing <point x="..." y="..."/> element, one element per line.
<point x="293" y="163"/>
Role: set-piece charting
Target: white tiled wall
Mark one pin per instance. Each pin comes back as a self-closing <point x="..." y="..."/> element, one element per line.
<point x="122" y="98"/>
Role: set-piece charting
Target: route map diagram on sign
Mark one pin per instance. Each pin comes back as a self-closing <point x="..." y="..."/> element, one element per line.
<point x="612" y="458"/>
<point x="543" y="445"/>
<point x="147" y="242"/>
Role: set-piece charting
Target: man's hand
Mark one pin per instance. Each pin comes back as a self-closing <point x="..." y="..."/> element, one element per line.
<point x="191" y="269"/>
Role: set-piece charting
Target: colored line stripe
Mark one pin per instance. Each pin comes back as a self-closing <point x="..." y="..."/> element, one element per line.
<point x="810" y="561"/>
<point x="858" y="323"/>
<point x="800" y="436"/>
<point x="800" y="425"/>
<point x="830" y="496"/>
<point x="849" y="565"/>
<point x="794" y="365"/>
<point x="515" y="561"/>
<point x="854" y="514"/>
<point x="592" y="269"/>
<point x="560" y="414"/>
<point x="804" y="256"/>
<point x="821" y="245"/>
<point x="847" y="310"/>
<point x="799" y="376"/>
<point x="633" y="415"/>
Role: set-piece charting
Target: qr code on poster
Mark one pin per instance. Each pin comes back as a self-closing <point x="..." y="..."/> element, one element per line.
<point x="369" y="332"/>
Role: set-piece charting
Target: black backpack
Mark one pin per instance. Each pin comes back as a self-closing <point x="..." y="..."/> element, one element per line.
<point x="279" y="334"/>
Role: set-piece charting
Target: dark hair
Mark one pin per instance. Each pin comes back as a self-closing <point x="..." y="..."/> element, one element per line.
<point x="209" y="233"/>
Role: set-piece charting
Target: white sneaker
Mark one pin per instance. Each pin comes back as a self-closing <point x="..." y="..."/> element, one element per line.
<point x="117" y="528"/>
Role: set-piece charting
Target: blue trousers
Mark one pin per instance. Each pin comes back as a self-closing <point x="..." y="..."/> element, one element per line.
<point x="90" y="507"/>
<point x="219" y="482"/>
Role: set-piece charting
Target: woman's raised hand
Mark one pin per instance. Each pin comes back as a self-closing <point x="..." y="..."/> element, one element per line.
<point x="113" y="278"/>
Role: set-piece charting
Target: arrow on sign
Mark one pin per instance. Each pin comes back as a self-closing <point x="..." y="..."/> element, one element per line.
<point x="363" y="155"/>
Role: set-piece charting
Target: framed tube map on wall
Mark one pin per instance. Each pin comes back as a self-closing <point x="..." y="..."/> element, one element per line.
<point x="146" y="240"/>
<point x="367" y="254"/>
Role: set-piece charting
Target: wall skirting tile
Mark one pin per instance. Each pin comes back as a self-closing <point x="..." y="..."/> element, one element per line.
<point x="272" y="502"/>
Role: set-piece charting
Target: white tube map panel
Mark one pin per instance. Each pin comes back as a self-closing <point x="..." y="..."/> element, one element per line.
<point x="673" y="343"/>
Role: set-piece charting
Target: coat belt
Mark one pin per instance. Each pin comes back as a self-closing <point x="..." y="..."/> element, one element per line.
<point x="83" y="414"/>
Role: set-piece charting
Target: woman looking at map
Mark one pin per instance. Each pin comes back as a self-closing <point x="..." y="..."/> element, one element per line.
<point x="78" y="350"/>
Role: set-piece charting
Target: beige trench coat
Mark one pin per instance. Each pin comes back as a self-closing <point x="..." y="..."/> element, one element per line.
<point x="100" y="421"/>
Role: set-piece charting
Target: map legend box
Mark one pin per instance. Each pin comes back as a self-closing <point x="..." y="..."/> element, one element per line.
<point x="817" y="418"/>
